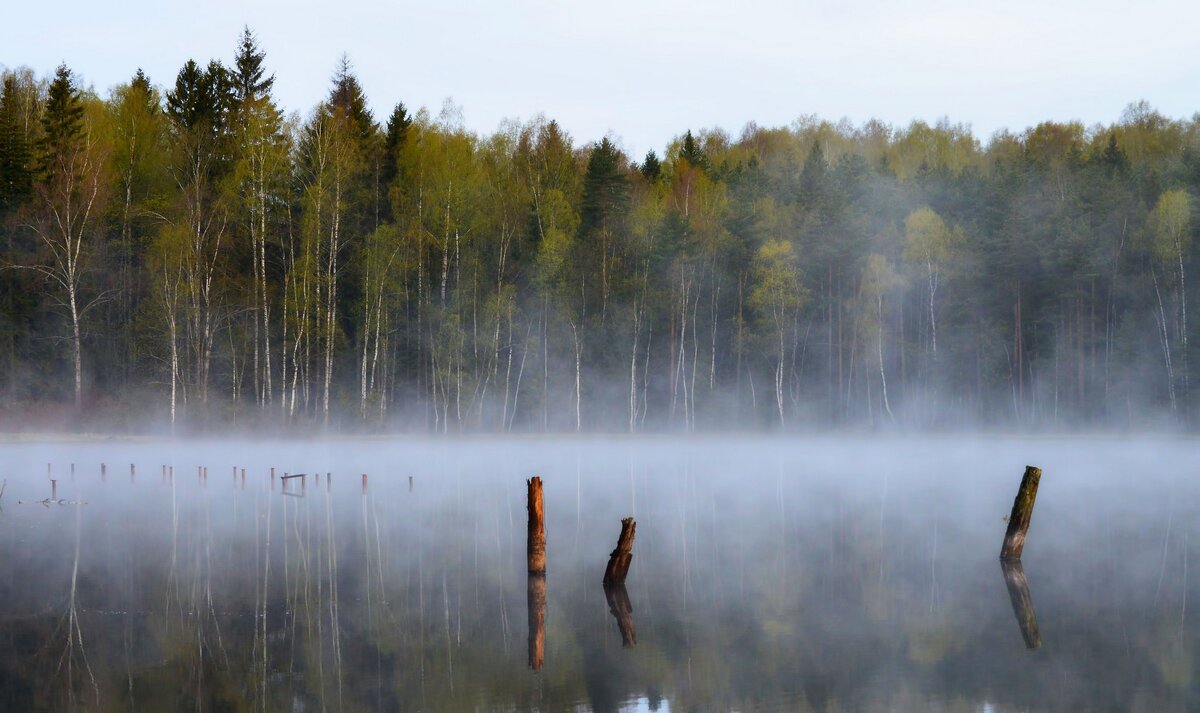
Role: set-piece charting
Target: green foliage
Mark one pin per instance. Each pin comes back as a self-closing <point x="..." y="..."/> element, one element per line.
<point x="62" y="123"/>
<point x="16" y="173"/>
<point x="429" y="275"/>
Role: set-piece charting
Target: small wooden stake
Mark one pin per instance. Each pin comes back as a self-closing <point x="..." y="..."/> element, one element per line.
<point x="1022" y="514"/>
<point x="536" y="542"/>
<point x="103" y="473"/>
<point x="620" y="558"/>
<point x="537" y="620"/>
<point x="1022" y="602"/>
<point x="53" y="489"/>
<point x="364" y="482"/>
<point x="410" y="483"/>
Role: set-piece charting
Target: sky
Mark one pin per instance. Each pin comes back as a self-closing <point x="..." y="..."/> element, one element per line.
<point x="644" y="71"/>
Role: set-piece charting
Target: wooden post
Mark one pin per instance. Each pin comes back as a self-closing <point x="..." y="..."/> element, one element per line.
<point x="1022" y="514"/>
<point x="622" y="610"/>
<point x="132" y="473"/>
<point x="53" y="489"/>
<point x="103" y="473"/>
<point x="620" y="558"/>
<point x="536" y="542"/>
<point x="1022" y="602"/>
<point x="364" y="482"/>
<point x="410" y="483"/>
<point x="537" y="620"/>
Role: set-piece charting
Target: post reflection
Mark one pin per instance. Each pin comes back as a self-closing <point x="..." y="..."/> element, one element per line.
<point x="1022" y="602"/>
<point x="537" y="620"/>
<point x="622" y="610"/>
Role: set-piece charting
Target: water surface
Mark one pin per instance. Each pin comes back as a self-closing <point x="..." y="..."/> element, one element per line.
<point x="834" y="574"/>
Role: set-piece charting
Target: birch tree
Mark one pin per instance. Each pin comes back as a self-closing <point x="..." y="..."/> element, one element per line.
<point x="777" y="296"/>
<point x="70" y="189"/>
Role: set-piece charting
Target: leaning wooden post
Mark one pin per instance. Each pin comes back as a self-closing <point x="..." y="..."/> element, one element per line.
<point x="620" y="558"/>
<point x="1022" y="514"/>
<point x="536" y="549"/>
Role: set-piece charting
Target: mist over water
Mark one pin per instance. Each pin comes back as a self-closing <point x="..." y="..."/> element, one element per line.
<point x="768" y="574"/>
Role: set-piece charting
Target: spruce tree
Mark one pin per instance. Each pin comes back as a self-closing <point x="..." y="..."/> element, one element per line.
<point x="250" y="78"/>
<point x="692" y="152"/>
<point x="15" y="177"/>
<point x="62" y="122"/>
<point x="651" y="167"/>
<point x="348" y="98"/>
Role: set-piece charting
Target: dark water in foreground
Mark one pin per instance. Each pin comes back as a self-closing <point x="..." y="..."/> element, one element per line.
<point x="814" y="574"/>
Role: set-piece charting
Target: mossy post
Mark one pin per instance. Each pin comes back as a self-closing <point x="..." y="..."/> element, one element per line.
<point x="1022" y="515"/>
<point x="536" y="549"/>
<point x="620" y="558"/>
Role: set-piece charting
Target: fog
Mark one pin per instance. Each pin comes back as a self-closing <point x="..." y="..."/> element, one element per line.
<point x="835" y="573"/>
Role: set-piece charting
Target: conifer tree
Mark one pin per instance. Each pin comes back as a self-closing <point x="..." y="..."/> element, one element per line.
<point x="250" y="79"/>
<point x="15" y="174"/>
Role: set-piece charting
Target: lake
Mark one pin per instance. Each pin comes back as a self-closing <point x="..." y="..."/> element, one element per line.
<point x="802" y="574"/>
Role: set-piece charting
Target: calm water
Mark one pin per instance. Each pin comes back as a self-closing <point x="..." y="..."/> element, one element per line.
<point x="811" y="574"/>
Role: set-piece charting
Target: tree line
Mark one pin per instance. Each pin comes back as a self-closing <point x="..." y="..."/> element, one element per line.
<point x="191" y="255"/>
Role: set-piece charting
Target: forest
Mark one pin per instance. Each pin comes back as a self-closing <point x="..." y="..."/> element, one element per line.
<point x="191" y="257"/>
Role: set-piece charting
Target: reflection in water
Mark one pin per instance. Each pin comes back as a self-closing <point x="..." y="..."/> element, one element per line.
<point x="537" y="620"/>
<point x="815" y="577"/>
<point x="622" y="610"/>
<point x="1022" y="602"/>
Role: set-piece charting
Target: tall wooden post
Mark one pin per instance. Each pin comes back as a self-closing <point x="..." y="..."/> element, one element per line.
<point x="620" y="558"/>
<point x="536" y="549"/>
<point x="1022" y="514"/>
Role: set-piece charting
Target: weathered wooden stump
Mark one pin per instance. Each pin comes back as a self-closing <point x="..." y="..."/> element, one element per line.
<point x="1022" y="514"/>
<point x="1022" y="602"/>
<point x="620" y="558"/>
<point x="536" y="543"/>
<point x="537" y="620"/>
<point x="622" y="610"/>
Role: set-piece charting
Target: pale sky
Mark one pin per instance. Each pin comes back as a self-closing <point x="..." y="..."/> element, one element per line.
<point x="644" y="71"/>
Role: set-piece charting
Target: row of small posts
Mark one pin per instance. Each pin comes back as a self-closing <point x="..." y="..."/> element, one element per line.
<point x="239" y="474"/>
